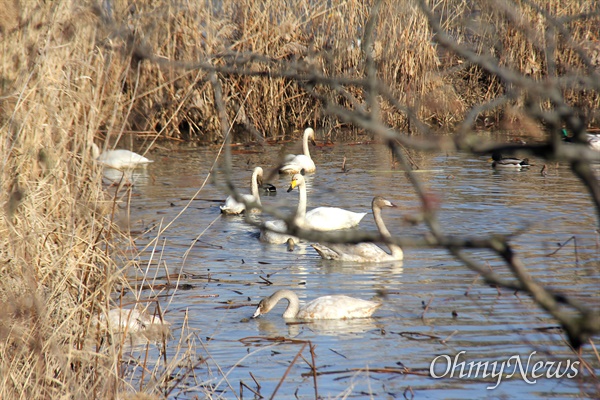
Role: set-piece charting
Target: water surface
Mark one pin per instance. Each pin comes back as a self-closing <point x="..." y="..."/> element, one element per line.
<point x="435" y="305"/>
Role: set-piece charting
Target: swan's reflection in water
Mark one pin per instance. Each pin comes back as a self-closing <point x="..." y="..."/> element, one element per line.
<point x="124" y="177"/>
<point x="331" y="327"/>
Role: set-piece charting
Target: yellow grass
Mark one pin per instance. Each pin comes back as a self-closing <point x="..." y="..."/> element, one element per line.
<point x="70" y="74"/>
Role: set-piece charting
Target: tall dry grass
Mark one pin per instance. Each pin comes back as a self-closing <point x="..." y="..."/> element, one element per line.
<point x="57" y="239"/>
<point x="160" y="54"/>
<point x="72" y="72"/>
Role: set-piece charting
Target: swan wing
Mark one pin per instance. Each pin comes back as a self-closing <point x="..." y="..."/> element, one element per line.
<point x="338" y="307"/>
<point x="332" y="218"/>
<point x="294" y="164"/>
<point x="360" y="252"/>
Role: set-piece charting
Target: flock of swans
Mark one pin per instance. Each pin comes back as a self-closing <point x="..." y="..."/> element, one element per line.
<point x="318" y="219"/>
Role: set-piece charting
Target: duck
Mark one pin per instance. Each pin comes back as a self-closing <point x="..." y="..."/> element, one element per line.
<point x="119" y="158"/>
<point x="508" y="162"/>
<point x="268" y="188"/>
<point x="319" y="219"/>
<point x="293" y="164"/>
<point x="364" y="252"/>
<point x="592" y="139"/>
<point x="233" y="207"/>
<point x="326" y="307"/>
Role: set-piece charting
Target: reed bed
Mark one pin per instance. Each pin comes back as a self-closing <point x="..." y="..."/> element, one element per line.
<point x="159" y="55"/>
<point x="72" y="73"/>
<point x="59" y="246"/>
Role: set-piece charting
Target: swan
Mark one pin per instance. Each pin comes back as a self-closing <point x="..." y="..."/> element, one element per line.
<point x="274" y="232"/>
<point x="130" y="320"/>
<point x="321" y="218"/>
<point x="326" y="307"/>
<point x="233" y="207"/>
<point x="293" y="164"/>
<point x="364" y="252"/>
<point x="508" y="163"/>
<point x="593" y="140"/>
<point x="118" y="159"/>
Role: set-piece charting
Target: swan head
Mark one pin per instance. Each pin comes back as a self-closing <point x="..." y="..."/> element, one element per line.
<point x="309" y="133"/>
<point x="263" y="307"/>
<point x="95" y="151"/>
<point x="297" y="180"/>
<point x="380" y="202"/>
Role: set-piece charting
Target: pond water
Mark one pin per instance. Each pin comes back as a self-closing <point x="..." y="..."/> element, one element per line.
<point x="435" y="306"/>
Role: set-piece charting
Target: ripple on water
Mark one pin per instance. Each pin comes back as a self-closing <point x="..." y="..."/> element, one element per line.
<point x="433" y="306"/>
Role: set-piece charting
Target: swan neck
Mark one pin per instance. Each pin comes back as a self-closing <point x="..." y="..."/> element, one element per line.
<point x="305" y="149"/>
<point x="254" y="187"/>
<point x="384" y="232"/>
<point x="293" y="303"/>
<point x="302" y="202"/>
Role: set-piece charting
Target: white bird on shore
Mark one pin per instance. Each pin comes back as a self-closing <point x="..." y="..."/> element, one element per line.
<point x="118" y="159"/>
<point x="364" y="252"/>
<point x="233" y="207"/>
<point x="326" y="307"/>
<point x="293" y="164"/>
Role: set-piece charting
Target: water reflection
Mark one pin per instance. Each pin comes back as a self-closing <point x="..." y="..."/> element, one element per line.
<point x="297" y="330"/>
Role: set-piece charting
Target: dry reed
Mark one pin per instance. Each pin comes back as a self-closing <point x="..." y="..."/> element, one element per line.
<point x="57" y="247"/>
<point x="71" y="73"/>
<point x="326" y="38"/>
<point x="156" y="56"/>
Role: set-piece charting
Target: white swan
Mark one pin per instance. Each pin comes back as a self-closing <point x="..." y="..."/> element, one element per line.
<point x="232" y="206"/>
<point x="593" y="140"/>
<point x="321" y="218"/>
<point x="326" y="307"/>
<point x="118" y="159"/>
<point x="364" y="252"/>
<point x="293" y="164"/>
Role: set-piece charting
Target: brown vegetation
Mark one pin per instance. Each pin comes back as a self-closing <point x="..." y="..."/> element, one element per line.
<point x="72" y="73"/>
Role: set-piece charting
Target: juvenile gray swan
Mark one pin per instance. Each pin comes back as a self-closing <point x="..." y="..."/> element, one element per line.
<point x="364" y="252"/>
<point x="326" y="307"/>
